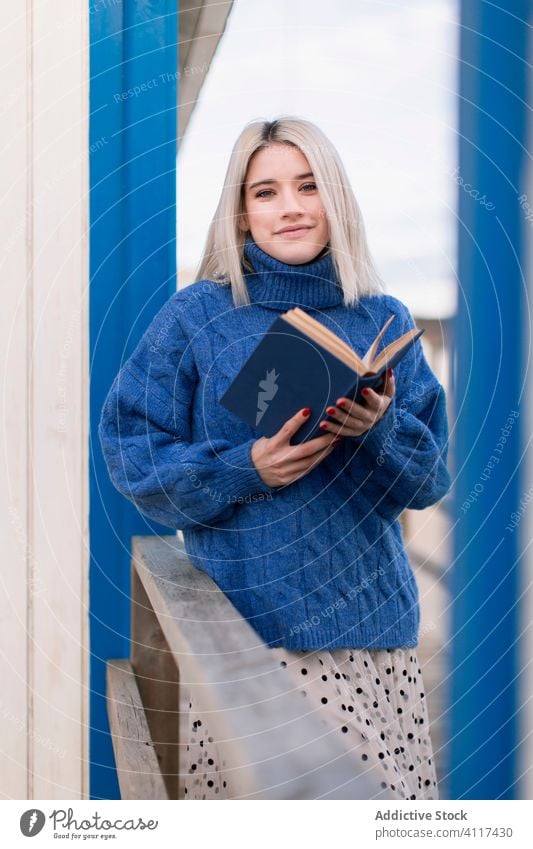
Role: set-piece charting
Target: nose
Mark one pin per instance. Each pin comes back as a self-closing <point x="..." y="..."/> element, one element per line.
<point x="291" y="202"/>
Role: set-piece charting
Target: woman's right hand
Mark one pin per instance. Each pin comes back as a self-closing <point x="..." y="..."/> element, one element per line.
<point x="278" y="462"/>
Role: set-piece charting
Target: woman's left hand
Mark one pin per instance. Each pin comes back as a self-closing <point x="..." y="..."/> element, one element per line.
<point x="352" y="419"/>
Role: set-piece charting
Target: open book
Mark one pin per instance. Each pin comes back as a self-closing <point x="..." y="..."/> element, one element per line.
<point x="370" y="364"/>
<point x="301" y="363"/>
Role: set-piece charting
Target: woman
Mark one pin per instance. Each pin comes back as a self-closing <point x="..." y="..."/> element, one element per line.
<point x="304" y="539"/>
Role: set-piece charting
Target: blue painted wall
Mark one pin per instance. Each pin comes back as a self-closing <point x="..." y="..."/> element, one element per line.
<point x="133" y="115"/>
<point x="488" y="432"/>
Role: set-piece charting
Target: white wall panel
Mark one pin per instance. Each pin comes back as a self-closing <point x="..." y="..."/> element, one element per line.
<point x="43" y="216"/>
<point x="17" y="564"/>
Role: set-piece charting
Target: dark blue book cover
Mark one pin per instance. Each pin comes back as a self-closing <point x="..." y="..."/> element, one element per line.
<point x="288" y="371"/>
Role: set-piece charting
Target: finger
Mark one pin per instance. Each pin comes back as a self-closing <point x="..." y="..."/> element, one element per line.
<point x="355" y="429"/>
<point x="348" y="427"/>
<point x="306" y="449"/>
<point x="313" y="446"/>
<point x="360" y="412"/>
<point x="292" y="425"/>
<point x="373" y="399"/>
<point x="390" y="384"/>
<point x="345" y="418"/>
<point x="378" y="406"/>
<point x="307" y="463"/>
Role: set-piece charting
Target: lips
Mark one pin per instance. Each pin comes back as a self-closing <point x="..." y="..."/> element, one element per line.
<point x="293" y="230"/>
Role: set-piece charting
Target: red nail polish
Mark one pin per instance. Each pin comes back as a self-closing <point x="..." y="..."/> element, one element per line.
<point x="341" y="403"/>
<point x="331" y="411"/>
<point x="323" y="425"/>
<point x="306" y="411"/>
<point x="365" y="391"/>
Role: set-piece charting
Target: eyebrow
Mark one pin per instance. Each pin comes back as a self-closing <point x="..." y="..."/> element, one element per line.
<point x="262" y="182"/>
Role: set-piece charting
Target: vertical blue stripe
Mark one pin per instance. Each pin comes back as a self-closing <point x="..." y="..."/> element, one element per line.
<point x="133" y="114"/>
<point x="488" y="432"/>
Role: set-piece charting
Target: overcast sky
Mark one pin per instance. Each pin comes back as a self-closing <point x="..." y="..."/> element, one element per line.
<point x="380" y="79"/>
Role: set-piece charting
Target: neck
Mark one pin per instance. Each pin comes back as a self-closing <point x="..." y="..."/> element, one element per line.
<point x="280" y="286"/>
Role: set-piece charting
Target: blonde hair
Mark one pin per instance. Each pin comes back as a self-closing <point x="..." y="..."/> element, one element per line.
<point x="223" y="254"/>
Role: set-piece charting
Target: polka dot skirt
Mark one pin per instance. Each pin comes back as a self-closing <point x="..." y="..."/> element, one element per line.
<point x="374" y="699"/>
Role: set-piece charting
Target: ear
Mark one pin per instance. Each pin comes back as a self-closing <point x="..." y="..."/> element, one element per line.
<point x="242" y="222"/>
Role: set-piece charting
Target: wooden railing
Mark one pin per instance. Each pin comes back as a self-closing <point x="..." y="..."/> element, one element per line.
<point x="187" y="637"/>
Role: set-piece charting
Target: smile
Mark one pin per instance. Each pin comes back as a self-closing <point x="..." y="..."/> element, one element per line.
<point x="294" y="234"/>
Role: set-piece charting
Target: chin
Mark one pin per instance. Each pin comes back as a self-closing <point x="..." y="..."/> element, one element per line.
<point x="298" y="253"/>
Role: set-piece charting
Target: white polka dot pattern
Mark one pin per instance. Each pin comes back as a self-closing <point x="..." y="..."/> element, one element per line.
<point x="374" y="698"/>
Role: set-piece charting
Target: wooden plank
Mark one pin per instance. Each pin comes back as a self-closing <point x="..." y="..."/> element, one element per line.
<point x="138" y="769"/>
<point x="156" y="674"/>
<point x="272" y="748"/>
<point x="59" y="415"/>
<point x="200" y="28"/>
<point x="18" y="569"/>
<point x="430" y="537"/>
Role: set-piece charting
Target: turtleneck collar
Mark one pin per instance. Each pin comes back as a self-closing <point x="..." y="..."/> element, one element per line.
<point x="280" y="286"/>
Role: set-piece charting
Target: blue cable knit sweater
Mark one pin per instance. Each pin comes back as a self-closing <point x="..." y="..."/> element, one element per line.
<point x="318" y="563"/>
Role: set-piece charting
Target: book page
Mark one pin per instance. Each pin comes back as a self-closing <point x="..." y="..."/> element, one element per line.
<point x="395" y="346"/>
<point x="322" y="337"/>
<point x="370" y="354"/>
<point x="320" y="328"/>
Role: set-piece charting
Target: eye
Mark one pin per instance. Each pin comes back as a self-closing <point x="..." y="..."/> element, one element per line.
<point x="264" y="191"/>
<point x="309" y="185"/>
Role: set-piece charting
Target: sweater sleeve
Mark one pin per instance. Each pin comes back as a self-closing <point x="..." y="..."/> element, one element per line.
<point x="407" y="449"/>
<point x="145" y="435"/>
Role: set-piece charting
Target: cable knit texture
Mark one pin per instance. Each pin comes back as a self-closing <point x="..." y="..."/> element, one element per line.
<point x="318" y="563"/>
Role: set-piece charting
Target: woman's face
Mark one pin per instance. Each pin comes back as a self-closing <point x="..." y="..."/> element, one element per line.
<point x="280" y="194"/>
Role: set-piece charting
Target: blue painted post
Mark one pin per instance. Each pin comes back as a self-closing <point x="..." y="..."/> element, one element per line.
<point x="133" y="115"/>
<point x="489" y="431"/>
